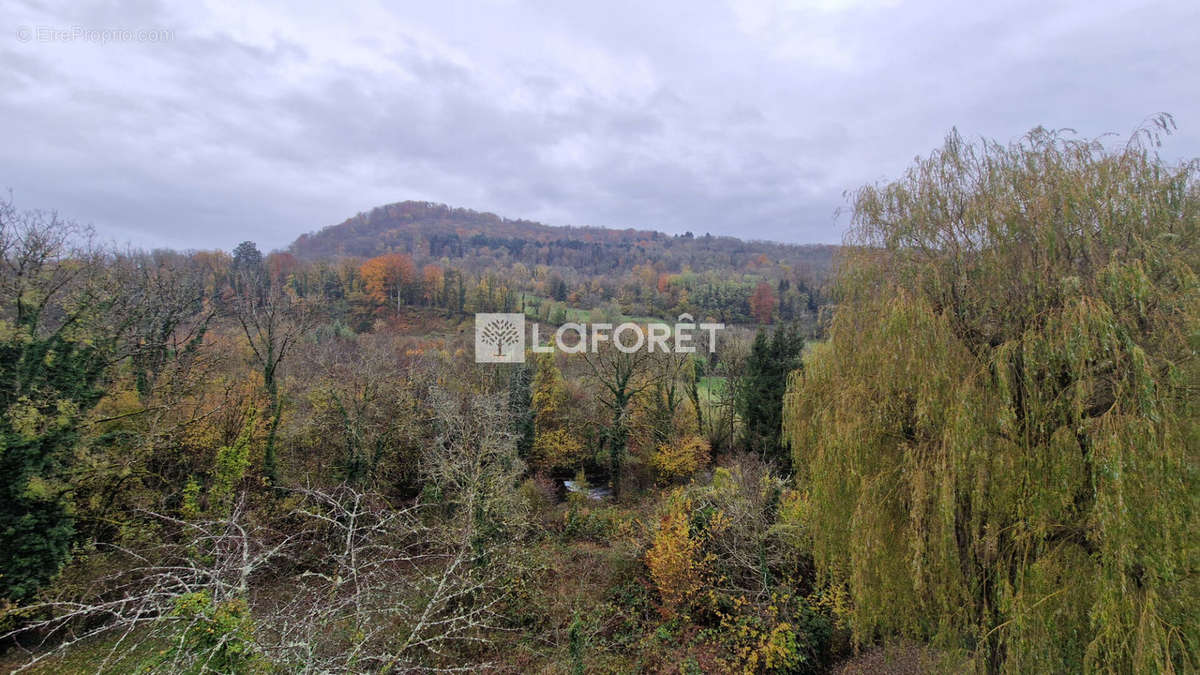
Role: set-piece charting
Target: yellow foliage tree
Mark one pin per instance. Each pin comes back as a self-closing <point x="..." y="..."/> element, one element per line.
<point x="555" y="445"/>
<point x="681" y="458"/>
<point x="675" y="561"/>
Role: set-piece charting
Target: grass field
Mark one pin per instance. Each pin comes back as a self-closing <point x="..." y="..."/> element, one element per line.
<point x="585" y="315"/>
<point x="711" y="388"/>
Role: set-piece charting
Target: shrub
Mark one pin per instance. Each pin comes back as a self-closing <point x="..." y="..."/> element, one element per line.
<point x="676" y="564"/>
<point x="680" y="459"/>
<point x="783" y="635"/>
<point x="217" y="636"/>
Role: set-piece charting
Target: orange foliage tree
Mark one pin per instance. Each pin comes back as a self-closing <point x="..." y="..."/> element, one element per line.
<point x="389" y="278"/>
<point x="664" y="281"/>
<point x="282" y="265"/>
<point x="432" y="284"/>
<point x="763" y="302"/>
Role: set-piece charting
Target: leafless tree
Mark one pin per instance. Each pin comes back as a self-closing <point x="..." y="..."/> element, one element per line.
<point x="622" y="376"/>
<point x="416" y="588"/>
<point x="273" y="319"/>
<point x="391" y="594"/>
<point x="357" y="583"/>
<point x="136" y="607"/>
<point x="358" y="414"/>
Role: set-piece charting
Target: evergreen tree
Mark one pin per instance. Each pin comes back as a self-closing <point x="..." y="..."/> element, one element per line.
<point x="48" y="385"/>
<point x="52" y="357"/>
<point x="773" y="356"/>
<point x="249" y="274"/>
<point x="247" y="258"/>
<point x="558" y="289"/>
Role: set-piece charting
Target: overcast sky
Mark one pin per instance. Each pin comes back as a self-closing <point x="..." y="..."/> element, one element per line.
<point x="212" y="123"/>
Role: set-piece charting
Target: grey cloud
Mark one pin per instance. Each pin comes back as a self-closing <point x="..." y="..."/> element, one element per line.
<point x="748" y="120"/>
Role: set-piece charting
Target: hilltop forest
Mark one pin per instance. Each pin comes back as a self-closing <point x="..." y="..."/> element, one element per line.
<point x="964" y="441"/>
<point x="444" y="254"/>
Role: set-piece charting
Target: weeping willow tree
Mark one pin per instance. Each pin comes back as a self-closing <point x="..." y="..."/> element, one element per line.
<point x="999" y="440"/>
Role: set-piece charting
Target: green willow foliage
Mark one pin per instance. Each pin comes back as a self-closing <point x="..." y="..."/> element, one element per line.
<point x="999" y="441"/>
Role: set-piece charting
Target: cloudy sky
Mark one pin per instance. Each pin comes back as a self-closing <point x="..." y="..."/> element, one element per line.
<point x="209" y="123"/>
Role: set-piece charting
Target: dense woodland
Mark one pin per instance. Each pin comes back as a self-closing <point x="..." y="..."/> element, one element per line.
<point x="463" y="260"/>
<point x="970" y="441"/>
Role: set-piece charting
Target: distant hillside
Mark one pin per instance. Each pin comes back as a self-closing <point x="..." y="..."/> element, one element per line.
<point x="399" y="227"/>
<point x="432" y="231"/>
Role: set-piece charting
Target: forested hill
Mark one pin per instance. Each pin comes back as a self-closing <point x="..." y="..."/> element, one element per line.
<point x="426" y="230"/>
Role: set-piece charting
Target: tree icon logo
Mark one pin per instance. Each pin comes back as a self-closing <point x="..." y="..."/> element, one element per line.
<point x="499" y="338"/>
<point x="501" y="333"/>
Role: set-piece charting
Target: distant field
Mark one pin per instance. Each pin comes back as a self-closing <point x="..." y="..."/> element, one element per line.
<point x="585" y="315"/>
<point x="710" y="388"/>
<point x="573" y="314"/>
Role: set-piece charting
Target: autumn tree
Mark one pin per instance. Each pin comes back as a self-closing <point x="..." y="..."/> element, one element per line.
<point x="70" y="311"/>
<point x="433" y="280"/>
<point x="998" y="443"/>
<point x="679" y="458"/>
<point x="273" y="319"/>
<point x="555" y="444"/>
<point x="724" y="388"/>
<point x="621" y="376"/>
<point x="356" y="421"/>
<point x="383" y="587"/>
<point x="388" y="278"/>
<point x="281" y="266"/>
<point x="763" y="303"/>
<point x="675" y="561"/>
